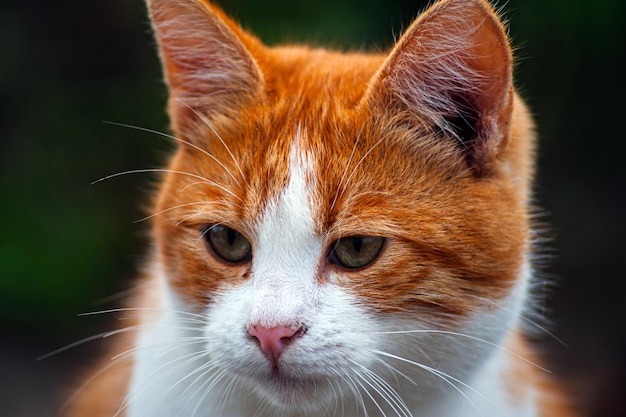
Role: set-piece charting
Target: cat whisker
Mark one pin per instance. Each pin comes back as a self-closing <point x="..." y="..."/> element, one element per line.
<point x="370" y="396"/>
<point x="196" y="319"/>
<point x="210" y="126"/>
<point x="189" y="316"/>
<point x="395" y="370"/>
<point x="188" y="342"/>
<point x="475" y="338"/>
<point x="345" y="171"/>
<point x="385" y="390"/>
<point x="202" y="214"/>
<point x="102" y="335"/>
<point x="184" y="142"/>
<point x="228" y="392"/>
<point x="160" y="372"/>
<point x="178" y="206"/>
<point x="524" y="318"/>
<point x="357" y="394"/>
<point x="340" y="192"/>
<point x="261" y="407"/>
<point x="113" y="361"/>
<point x="206" y="387"/>
<point x="364" y="193"/>
<point x="171" y="171"/>
<point x="340" y="377"/>
<point x="216" y="202"/>
<point x="188" y="218"/>
<point x="336" y="398"/>
<point x="199" y="373"/>
<point x="213" y="382"/>
<point x="87" y="382"/>
<point x="444" y="377"/>
<point x="208" y="229"/>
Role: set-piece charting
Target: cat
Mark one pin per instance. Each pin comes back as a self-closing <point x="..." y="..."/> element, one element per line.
<point x="337" y="234"/>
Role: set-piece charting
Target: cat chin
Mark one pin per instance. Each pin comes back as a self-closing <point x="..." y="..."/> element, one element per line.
<point x="287" y="394"/>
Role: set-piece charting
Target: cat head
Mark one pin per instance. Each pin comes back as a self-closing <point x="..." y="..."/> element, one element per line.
<point x="332" y="193"/>
<point x="421" y="146"/>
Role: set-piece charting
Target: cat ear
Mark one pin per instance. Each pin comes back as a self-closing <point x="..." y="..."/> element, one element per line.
<point x="452" y="70"/>
<point x="205" y="55"/>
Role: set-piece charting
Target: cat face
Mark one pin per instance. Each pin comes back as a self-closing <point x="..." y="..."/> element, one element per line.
<point x="333" y="216"/>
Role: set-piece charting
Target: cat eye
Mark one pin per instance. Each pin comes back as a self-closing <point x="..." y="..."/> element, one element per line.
<point x="356" y="251"/>
<point x="227" y="243"/>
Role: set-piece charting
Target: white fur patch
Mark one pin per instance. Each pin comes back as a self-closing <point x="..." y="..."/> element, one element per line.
<point x="287" y="253"/>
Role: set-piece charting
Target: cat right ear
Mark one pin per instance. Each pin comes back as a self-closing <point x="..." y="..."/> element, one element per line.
<point x="208" y="67"/>
<point x="451" y="71"/>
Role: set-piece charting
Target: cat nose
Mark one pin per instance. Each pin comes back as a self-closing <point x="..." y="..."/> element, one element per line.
<point x="273" y="341"/>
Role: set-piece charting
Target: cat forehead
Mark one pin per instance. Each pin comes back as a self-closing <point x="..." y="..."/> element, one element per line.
<point x="287" y="224"/>
<point x="353" y="171"/>
<point x="305" y="74"/>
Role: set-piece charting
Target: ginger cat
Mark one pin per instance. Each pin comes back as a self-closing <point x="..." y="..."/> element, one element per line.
<point x="337" y="234"/>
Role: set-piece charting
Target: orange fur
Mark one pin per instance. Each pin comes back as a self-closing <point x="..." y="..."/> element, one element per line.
<point x="435" y="199"/>
<point x="553" y="401"/>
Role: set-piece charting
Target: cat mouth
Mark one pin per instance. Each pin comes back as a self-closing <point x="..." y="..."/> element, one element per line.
<point x="283" y="388"/>
<point x="285" y="381"/>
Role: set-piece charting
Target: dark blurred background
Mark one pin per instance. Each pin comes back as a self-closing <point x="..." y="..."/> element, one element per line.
<point x="67" y="246"/>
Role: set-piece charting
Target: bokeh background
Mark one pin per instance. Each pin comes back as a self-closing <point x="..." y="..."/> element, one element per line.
<point x="67" y="246"/>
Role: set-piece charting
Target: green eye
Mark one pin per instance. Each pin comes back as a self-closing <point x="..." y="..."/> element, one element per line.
<point x="227" y="243"/>
<point x="356" y="251"/>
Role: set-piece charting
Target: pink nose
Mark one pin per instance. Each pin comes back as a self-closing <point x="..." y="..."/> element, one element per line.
<point x="272" y="341"/>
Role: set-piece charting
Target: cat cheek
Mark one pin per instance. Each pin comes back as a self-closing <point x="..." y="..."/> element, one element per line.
<point x="197" y="279"/>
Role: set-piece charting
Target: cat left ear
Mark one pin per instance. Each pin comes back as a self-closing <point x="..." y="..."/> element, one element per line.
<point x="206" y="60"/>
<point x="452" y="69"/>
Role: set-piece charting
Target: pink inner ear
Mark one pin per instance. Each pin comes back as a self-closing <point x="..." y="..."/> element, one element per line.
<point x="454" y="65"/>
<point x="206" y="61"/>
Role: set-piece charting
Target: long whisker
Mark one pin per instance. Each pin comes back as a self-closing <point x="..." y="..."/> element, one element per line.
<point x="193" y="318"/>
<point x="165" y="135"/>
<point x="467" y="336"/>
<point x="208" y="124"/>
<point x="102" y="335"/>
<point x="171" y="171"/>
<point x="345" y="172"/>
<point x="355" y="196"/>
<point x="228" y="392"/>
<point x="178" y="206"/>
<point x="360" y="401"/>
<point x="444" y="376"/>
<point x="98" y="373"/>
<point x="525" y="318"/>
<point x="200" y="317"/>
<point x="147" y="381"/>
<point x="371" y="397"/>
<point x="363" y="158"/>
<point x="214" y="382"/>
<point x="202" y="236"/>
<point x="395" y="371"/>
<point x="385" y="390"/>
<point x="188" y="341"/>
<point x="87" y="382"/>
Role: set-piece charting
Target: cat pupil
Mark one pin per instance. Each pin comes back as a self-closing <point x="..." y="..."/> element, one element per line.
<point x="357" y="242"/>
<point x="231" y="236"/>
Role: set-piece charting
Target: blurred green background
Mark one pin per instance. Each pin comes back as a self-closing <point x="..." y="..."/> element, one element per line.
<point x="67" y="246"/>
